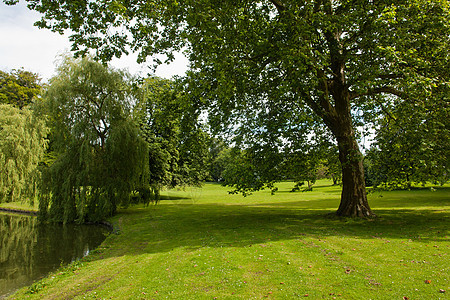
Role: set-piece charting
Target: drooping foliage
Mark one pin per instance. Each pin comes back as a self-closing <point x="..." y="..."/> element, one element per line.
<point x="258" y="167"/>
<point x="101" y="156"/>
<point x="22" y="147"/>
<point x="271" y="61"/>
<point x="412" y="146"/>
<point x="19" y="87"/>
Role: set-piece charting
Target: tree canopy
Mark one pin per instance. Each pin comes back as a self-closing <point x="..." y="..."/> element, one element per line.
<point x="176" y="141"/>
<point x="22" y="146"/>
<point x="412" y="145"/>
<point x="19" y="87"/>
<point x="22" y="136"/>
<point x="262" y="65"/>
<point x="100" y="155"/>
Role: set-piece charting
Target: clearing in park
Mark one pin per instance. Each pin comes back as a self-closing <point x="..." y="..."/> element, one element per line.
<point x="202" y="243"/>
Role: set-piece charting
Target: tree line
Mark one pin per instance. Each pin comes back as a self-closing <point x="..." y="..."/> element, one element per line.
<point x="95" y="138"/>
<point x="270" y="72"/>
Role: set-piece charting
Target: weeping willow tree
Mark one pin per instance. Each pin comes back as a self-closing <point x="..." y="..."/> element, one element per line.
<point x="101" y="157"/>
<point x="22" y="146"/>
<point x="267" y="62"/>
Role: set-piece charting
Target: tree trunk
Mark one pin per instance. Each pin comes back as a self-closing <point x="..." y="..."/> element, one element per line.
<point x="336" y="111"/>
<point x="353" y="198"/>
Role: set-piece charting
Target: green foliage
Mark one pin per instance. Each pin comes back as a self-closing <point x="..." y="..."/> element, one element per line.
<point x="22" y="146"/>
<point x="101" y="157"/>
<point x="22" y="136"/>
<point x="176" y="142"/>
<point x="260" y="166"/>
<point x="219" y="156"/>
<point x="19" y="87"/>
<point x="243" y="172"/>
<point x="259" y="67"/>
<point x="36" y="287"/>
<point x="412" y="145"/>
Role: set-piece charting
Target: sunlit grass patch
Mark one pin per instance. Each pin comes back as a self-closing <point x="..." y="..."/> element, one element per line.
<point x="23" y="206"/>
<point x="206" y="244"/>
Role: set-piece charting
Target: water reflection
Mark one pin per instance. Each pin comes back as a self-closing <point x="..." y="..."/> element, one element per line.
<point x="29" y="250"/>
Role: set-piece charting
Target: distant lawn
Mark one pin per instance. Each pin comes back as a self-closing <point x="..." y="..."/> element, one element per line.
<point x="25" y="206"/>
<point x="206" y="244"/>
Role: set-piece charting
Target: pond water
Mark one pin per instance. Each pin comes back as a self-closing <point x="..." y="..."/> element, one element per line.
<point x="29" y="250"/>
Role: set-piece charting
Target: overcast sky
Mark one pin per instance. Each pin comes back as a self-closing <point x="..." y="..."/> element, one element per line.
<point x="23" y="45"/>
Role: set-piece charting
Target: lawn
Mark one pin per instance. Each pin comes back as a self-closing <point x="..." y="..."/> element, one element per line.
<point x="202" y="243"/>
<point x="20" y="206"/>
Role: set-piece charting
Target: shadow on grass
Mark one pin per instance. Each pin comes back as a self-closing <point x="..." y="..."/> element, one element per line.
<point x="315" y="188"/>
<point x="166" y="227"/>
<point x="172" y="198"/>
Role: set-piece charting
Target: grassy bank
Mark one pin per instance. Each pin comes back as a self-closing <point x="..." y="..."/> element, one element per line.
<point x="206" y="244"/>
<point x="19" y="206"/>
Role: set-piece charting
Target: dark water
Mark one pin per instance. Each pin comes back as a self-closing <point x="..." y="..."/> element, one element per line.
<point x="29" y="250"/>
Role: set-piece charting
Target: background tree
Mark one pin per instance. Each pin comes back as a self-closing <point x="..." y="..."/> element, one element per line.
<point x="312" y="157"/>
<point x="243" y="173"/>
<point x="277" y="58"/>
<point x="22" y="146"/>
<point x="303" y="166"/>
<point x="219" y="155"/>
<point x="176" y="141"/>
<point x="332" y="164"/>
<point x="101" y="157"/>
<point x="19" y="87"/>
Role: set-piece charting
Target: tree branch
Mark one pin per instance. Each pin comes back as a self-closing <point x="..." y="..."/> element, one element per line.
<point x="380" y="90"/>
<point x="279" y="5"/>
<point x="390" y="76"/>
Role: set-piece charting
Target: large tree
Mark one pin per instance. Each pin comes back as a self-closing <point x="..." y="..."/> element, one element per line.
<point x="176" y="141"/>
<point x="19" y="87"/>
<point x="22" y="135"/>
<point x="277" y="58"/>
<point x="22" y="146"/>
<point x="101" y="156"/>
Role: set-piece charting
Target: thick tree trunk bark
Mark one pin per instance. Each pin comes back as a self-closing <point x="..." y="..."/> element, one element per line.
<point x="336" y="111"/>
<point x="353" y="198"/>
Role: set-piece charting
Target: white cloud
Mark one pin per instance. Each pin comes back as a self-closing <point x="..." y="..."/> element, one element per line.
<point x="23" y="45"/>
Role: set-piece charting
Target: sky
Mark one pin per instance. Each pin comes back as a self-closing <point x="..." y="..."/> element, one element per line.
<point x="23" y="45"/>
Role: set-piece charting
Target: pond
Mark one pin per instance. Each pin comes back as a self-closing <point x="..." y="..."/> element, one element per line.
<point x="29" y="250"/>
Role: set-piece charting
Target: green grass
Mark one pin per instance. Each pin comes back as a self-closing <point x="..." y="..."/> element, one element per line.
<point x="24" y="206"/>
<point x="206" y="244"/>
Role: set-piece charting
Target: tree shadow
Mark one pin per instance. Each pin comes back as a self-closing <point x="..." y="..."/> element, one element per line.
<point x="315" y="188"/>
<point x="165" y="198"/>
<point x="170" y="226"/>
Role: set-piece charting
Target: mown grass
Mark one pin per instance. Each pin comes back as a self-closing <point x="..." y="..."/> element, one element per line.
<point x="206" y="244"/>
<point x="20" y="206"/>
